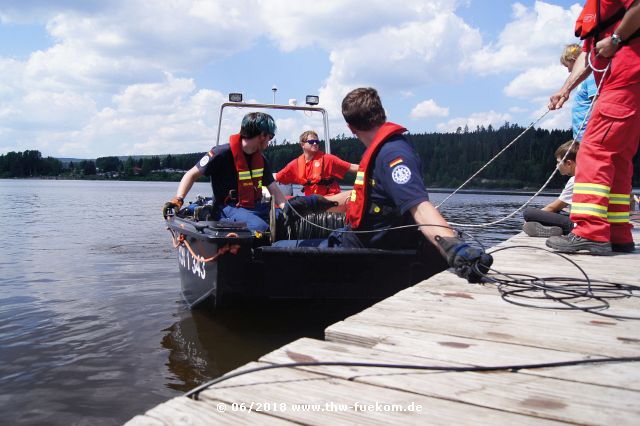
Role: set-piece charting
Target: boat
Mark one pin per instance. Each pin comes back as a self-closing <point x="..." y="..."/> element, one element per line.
<point x="224" y="263"/>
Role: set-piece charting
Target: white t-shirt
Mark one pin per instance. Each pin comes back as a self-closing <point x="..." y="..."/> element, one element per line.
<point x="567" y="192"/>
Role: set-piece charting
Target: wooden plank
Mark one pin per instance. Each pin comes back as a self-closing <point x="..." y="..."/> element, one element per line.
<point x="620" y="267"/>
<point x="515" y="392"/>
<point x="467" y="351"/>
<point x="447" y="297"/>
<point x="444" y="283"/>
<point x="461" y="314"/>
<point x="143" y="420"/>
<point x="508" y="330"/>
<point x="185" y="411"/>
<point x="326" y="400"/>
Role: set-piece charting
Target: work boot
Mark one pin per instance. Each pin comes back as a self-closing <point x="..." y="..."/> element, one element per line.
<point x="623" y="247"/>
<point x="573" y="243"/>
<point x="536" y="229"/>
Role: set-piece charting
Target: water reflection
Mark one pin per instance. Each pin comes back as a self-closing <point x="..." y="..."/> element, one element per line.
<point x="205" y="345"/>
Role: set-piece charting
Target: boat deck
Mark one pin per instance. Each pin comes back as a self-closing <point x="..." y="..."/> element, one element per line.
<point x="444" y="321"/>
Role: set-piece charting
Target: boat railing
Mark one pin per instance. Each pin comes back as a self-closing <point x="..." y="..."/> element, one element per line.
<point x="308" y="108"/>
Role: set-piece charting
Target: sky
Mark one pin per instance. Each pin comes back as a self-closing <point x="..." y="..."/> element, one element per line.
<point x="94" y="78"/>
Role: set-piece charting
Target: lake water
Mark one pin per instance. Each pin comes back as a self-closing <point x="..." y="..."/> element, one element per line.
<point x="93" y="329"/>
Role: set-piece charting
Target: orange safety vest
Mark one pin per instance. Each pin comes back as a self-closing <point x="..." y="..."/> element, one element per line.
<point x="589" y="22"/>
<point x="323" y="184"/>
<point x="249" y="180"/>
<point x="362" y="184"/>
<point x="316" y="172"/>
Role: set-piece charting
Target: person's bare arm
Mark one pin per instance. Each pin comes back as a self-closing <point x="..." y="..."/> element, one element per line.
<point x="555" y="206"/>
<point x="187" y="182"/>
<point x="426" y="213"/>
<point x="278" y="197"/>
<point x="353" y="168"/>
<point x="580" y="71"/>
<point x="341" y="198"/>
<point x="629" y="25"/>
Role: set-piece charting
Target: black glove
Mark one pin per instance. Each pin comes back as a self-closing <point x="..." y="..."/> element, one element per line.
<point x="174" y="204"/>
<point x="303" y="206"/>
<point x="470" y="263"/>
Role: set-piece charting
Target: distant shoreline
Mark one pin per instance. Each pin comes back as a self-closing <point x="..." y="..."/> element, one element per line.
<point x="486" y="191"/>
<point x="553" y="192"/>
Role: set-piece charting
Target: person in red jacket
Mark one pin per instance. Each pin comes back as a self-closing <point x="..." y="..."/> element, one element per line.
<point x="316" y="171"/>
<point x="602" y="190"/>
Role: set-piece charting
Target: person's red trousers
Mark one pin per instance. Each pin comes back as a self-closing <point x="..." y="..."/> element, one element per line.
<point x="604" y="168"/>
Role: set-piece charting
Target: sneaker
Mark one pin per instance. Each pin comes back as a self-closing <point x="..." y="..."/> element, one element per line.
<point x="573" y="243"/>
<point x="536" y="229"/>
<point x="623" y="247"/>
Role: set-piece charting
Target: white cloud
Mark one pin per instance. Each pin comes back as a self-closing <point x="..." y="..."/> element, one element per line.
<point x="476" y="119"/>
<point x="168" y="117"/>
<point x="531" y="39"/>
<point x="537" y="81"/>
<point x="419" y="53"/>
<point x="407" y="63"/>
<point x="428" y="108"/>
<point x="300" y="23"/>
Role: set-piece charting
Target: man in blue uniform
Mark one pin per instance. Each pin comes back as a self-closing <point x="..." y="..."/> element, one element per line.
<point x="389" y="192"/>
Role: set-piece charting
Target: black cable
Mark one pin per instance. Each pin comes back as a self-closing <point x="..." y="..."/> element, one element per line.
<point x="569" y="293"/>
<point x="513" y="368"/>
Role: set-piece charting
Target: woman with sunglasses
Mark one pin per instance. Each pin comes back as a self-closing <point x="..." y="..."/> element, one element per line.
<point x="316" y="171"/>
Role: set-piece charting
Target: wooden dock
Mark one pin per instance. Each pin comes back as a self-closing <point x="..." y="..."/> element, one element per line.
<point x="445" y="321"/>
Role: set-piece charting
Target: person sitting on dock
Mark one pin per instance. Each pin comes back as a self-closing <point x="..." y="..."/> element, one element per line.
<point x="316" y="171"/>
<point x="552" y="219"/>
<point x="238" y="171"/>
<point x="389" y="192"/>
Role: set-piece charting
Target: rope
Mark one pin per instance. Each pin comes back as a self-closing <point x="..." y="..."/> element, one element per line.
<point x="582" y="125"/>
<point x="194" y="393"/>
<point x="227" y="248"/>
<point x="494" y="158"/>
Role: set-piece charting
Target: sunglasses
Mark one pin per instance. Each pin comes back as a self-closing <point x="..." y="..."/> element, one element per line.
<point x="313" y="141"/>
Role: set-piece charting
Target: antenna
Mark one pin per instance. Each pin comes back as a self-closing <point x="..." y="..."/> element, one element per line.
<point x="274" y="89"/>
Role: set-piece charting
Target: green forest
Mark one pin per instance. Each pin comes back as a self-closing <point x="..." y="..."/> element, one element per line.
<point x="448" y="159"/>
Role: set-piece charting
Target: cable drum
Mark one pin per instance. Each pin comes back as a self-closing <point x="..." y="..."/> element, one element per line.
<point x="303" y="230"/>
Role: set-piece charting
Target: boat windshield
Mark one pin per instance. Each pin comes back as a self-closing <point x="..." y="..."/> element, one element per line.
<point x="310" y="117"/>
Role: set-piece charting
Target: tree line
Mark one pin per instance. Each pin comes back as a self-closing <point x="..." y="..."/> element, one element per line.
<point x="30" y="163"/>
<point x="448" y="159"/>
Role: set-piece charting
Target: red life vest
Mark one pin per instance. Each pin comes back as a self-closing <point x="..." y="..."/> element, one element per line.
<point x="362" y="184"/>
<point x="317" y="182"/>
<point x="249" y="180"/>
<point x="316" y="172"/>
<point x="589" y="22"/>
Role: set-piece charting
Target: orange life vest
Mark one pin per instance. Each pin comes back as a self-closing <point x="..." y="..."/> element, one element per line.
<point x="362" y="184"/>
<point x="318" y="182"/>
<point x="316" y="172"/>
<point x="589" y="22"/>
<point x="249" y="180"/>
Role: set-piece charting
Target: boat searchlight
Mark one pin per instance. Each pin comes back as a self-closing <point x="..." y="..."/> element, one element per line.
<point x="309" y="100"/>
